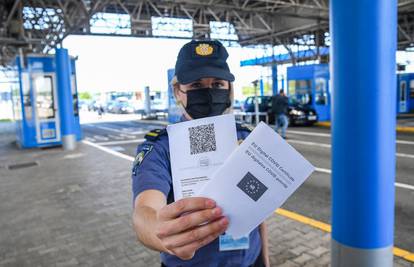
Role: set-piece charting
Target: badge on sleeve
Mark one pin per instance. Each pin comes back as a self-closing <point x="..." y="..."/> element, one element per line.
<point x="226" y="243"/>
<point x="146" y="149"/>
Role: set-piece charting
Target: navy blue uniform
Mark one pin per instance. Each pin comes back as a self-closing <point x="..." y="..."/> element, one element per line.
<point x="152" y="170"/>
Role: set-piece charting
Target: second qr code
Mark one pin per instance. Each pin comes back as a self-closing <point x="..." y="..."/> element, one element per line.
<point x="202" y="139"/>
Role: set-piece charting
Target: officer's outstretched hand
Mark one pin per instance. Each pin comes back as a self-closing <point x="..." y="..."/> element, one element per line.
<point x="189" y="224"/>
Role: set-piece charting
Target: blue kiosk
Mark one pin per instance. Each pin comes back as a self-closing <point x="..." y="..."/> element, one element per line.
<point x="45" y="108"/>
<point x="309" y="84"/>
<point x="405" y="93"/>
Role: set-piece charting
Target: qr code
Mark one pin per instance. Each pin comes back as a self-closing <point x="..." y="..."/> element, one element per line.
<point x="202" y="139"/>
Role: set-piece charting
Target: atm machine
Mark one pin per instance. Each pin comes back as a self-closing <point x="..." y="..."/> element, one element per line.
<point x="309" y="85"/>
<point x="405" y="92"/>
<point x="35" y="102"/>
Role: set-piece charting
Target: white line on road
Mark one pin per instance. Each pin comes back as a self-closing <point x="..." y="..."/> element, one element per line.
<point x="404" y="142"/>
<point x="402" y="155"/>
<point x="110" y="151"/>
<point x="122" y="131"/>
<point x="90" y="139"/>
<point x="309" y="133"/>
<point x="116" y="137"/>
<point x="401" y="185"/>
<point x="309" y="143"/>
<point x="323" y="170"/>
<point x="407" y="186"/>
<point x="121" y="142"/>
<point x="109" y="129"/>
<point x="100" y="137"/>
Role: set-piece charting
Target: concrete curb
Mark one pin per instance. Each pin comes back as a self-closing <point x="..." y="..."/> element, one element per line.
<point x="400" y="129"/>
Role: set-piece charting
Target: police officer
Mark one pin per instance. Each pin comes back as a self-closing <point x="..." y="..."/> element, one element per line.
<point x="188" y="232"/>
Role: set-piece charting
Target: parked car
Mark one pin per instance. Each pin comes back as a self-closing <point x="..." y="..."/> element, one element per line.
<point x="93" y="105"/>
<point x="298" y="113"/>
<point x="122" y="107"/>
<point x="159" y="105"/>
<point x="237" y="104"/>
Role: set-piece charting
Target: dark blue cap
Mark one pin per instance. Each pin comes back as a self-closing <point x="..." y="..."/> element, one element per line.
<point x="202" y="59"/>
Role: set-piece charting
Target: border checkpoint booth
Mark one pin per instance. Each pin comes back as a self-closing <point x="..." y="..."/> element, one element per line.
<point x="405" y="93"/>
<point x="309" y="85"/>
<point x="45" y="109"/>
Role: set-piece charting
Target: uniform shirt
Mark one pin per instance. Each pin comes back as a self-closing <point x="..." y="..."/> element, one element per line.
<point x="152" y="170"/>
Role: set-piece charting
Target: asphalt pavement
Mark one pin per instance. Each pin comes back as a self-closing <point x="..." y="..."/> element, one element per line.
<point x="313" y="199"/>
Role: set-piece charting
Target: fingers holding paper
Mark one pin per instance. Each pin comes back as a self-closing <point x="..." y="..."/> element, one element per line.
<point x="189" y="224"/>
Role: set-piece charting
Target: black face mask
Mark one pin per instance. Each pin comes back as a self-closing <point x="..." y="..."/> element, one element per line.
<point x="207" y="102"/>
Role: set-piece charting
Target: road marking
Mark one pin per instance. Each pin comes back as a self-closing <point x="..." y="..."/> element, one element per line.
<point x="117" y="148"/>
<point x="116" y="137"/>
<point x="402" y="155"/>
<point x="401" y="185"/>
<point x="109" y="129"/>
<point x="323" y="170"/>
<point x="289" y="214"/>
<point x="100" y="137"/>
<point x="407" y="186"/>
<point x="309" y="143"/>
<point x="309" y="133"/>
<point x="121" y="142"/>
<point x="90" y="139"/>
<point x="122" y="131"/>
<point x="404" y="142"/>
<point x="405" y="254"/>
<point x="108" y="150"/>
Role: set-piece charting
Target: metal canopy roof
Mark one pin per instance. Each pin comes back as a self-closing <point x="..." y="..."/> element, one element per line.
<point x="40" y="25"/>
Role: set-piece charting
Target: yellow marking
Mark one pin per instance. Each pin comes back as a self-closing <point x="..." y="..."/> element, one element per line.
<point x="407" y="255"/>
<point x="324" y="123"/>
<point x="152" y="134"/>
<point x="303" y="219"/>
<point x="405" y="129"/>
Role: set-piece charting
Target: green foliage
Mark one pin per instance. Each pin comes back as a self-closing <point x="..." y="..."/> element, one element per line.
<point x="249" y="90"/>
<point x="85" y="96"/>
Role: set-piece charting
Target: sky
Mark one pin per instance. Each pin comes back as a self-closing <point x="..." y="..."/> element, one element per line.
<point x="129" y="64"/>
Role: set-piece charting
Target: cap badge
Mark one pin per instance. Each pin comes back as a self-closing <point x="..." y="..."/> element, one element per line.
<point x="204" y="50"/>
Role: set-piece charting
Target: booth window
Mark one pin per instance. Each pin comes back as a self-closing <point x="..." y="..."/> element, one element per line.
<point x="75" y="96"/>
<point x="45" y="103"/>
<point x="27" y="98"/>
<point x="403" y="90"/>
<point x="300" y="91"/>
<point x="17" y="111"/>
<point x="321" y="95"/>
<point x="412" y="89"/>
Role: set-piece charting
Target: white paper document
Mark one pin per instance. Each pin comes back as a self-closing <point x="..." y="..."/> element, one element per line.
<point x="256" y="179"/>
<point x="197" y="149"/>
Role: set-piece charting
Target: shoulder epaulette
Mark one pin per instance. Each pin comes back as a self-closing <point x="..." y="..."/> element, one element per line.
<point x="153" y="135"/>
<point x="244" y="127"/>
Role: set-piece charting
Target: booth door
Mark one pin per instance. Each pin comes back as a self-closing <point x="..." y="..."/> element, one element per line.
<point x="402" y="99"/>
<point x="321" y="99"/>
<point x="411" y="96"/>
<point x="46" y="111"/>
